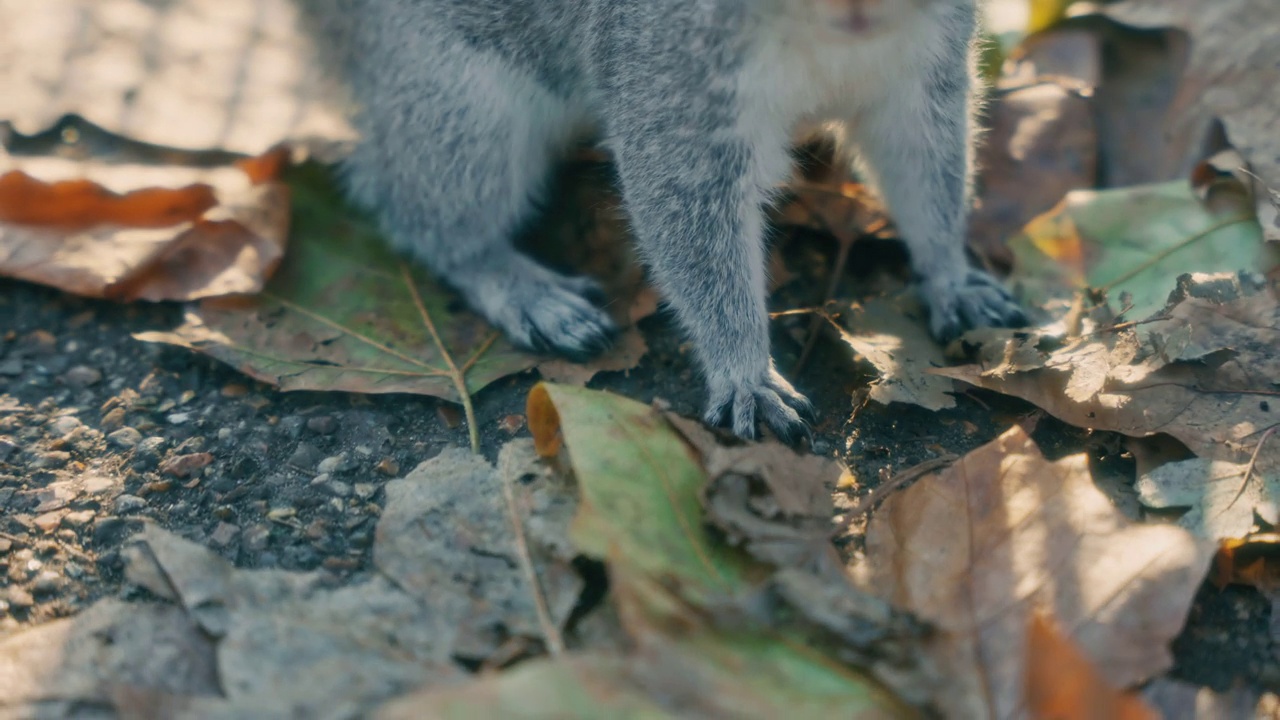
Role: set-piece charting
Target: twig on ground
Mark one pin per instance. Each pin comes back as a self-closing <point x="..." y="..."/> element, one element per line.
<point x="888" y="487"/>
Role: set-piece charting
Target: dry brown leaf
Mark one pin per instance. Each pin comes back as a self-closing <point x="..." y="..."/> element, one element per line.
<point x="890" y="334"/>
<point x="1231" y="74"/>
<point x="766" y="498"/>
<point x="1207" y="375"/>
<point x="1063" y="685"/>
<point x="1002" y="534"/>
<point x="626" y="354"/>
<point x="136" y="231"/>
<point x="1042" y="144"/>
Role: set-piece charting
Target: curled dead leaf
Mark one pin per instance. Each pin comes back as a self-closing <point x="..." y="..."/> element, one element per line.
<point x="128" y="229"/>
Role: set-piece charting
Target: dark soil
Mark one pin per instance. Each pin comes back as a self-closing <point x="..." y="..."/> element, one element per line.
<point x="92" y="422"/>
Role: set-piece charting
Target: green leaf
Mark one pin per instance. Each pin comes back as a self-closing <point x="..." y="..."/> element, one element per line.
<point x="640" y="483"/>
<point x="1138" y="240"/>
<point x="343" y="312"/>
<point x="640" y="511"/>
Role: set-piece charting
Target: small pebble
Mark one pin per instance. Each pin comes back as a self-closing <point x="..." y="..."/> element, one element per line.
<point x="20" y="598"/>
<point x="7" y="446"/>
<point x="108" y="530"/>
<point x="78" y="518"/>
<point x="94" y="484"/>
<point x="233" y="390"/>
<point x="387" y="466"/>
<point x="73" y="570"/>
<point x="338" y="488"/>
<point x="511" y="424"/>
<point x="157" y="486"/>
<point x="11" y="367"/>
<point x="256" y="537"/>
<point x="113" y="419"/>
<point x="126" y="504"/>
<point x="51" y="460"/>
<point x="322" y="424"/>
<point x="336" y="463"/>
<point x="125" y="438"/>
<point x="65" y="424"/>
<point x="48" y="522"/>
<point x="223" y="534"/>
<point x="224" y="434"/>
<point x="47" y="582"/>
<point x="317" y="529"/>
<point x="291" y="427"/>
<point x="340" y="564"/>
<point x="54" y="498"/>
<point x="186" y="465"/>
<point x="42" y="341"/>
<point x="82" y="376"/>
<point x="178" y="418"/>
<point x="305" y="456"/>
<point x="364" y="491"/>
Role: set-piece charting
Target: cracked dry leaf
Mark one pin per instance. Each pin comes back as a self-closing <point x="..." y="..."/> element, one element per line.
<point x="1207" y="374"/>
<point x="340" y="314"/>
<point x="1002" y="534"/>
<point x="890" y="333"/>
<point x="137" y="222"/>
<point x="1230" y="75"/>
<point x="1221" y="496"/>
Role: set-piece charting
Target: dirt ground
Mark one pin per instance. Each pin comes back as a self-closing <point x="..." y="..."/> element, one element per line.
<point x="92" y="423"/>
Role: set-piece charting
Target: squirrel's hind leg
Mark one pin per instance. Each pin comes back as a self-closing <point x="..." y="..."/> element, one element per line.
<point x="454" y="171"/>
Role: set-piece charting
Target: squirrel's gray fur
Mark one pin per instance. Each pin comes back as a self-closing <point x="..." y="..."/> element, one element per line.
<point x="465" y="105"/>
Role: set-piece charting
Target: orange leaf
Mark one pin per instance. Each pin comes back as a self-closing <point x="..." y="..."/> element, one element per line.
<point x="544" y="422"/>
<point x="1062" y="684"/>
<point x="82" y="204"/>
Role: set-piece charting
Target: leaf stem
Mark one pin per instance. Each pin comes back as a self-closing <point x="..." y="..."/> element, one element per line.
<point x="1154" y="259"/>
<point x="459" y="379"/>
<point x="555" y="643"/>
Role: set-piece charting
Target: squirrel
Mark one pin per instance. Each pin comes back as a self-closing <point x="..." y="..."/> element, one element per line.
<point x="465" y="106"/>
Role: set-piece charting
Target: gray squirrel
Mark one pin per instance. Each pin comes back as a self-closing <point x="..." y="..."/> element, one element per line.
<point x="465" y="106"/>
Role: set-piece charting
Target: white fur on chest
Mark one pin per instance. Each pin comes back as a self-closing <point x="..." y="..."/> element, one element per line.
<point x="799" y="74"/>
<point x="799" y="79"/>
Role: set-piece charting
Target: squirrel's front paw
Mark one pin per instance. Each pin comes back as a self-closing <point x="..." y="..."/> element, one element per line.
<point x="966" y="300"/>
<point x="771" y="400"/>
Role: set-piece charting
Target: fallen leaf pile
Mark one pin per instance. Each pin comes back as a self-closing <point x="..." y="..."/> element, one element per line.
<point x="987" y="548"/>
<point x="1205" y="373"/>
